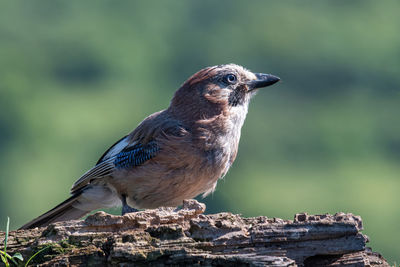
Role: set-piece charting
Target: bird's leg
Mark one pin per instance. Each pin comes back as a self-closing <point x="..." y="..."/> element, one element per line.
<point x="125" y="207"/>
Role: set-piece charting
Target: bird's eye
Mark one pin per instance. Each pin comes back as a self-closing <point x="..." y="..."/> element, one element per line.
<point x="231" y="78"/>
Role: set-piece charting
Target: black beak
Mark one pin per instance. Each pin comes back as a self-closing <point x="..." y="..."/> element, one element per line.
<point x="263" y="80"/>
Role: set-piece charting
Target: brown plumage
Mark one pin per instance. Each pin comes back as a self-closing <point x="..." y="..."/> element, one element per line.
<point x="175" y="154"/>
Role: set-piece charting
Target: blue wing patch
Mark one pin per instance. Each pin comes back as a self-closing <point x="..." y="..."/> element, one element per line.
<point x="136" y="155"/>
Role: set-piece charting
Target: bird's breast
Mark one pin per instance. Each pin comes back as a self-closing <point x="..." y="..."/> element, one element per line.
<point x="224" y="143"/>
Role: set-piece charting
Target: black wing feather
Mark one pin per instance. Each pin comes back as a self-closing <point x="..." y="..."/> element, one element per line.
<point x="108" y="150"/>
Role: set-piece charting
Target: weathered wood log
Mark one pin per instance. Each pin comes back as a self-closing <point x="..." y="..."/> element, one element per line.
<point x="187" y="237"/>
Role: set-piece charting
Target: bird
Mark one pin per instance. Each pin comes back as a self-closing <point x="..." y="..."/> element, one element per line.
<point x="175" y="154"/>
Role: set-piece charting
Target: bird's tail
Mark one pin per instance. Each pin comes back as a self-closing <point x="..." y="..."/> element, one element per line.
<point x="62" y="212"/>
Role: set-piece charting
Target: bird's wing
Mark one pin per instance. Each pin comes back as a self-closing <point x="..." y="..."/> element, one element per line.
<point x="122" y="155"/>
<point x="135" y="155"/>
<point x="114" y="149"/>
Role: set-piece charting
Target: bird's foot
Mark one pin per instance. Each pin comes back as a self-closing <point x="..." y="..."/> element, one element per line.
<point x="127" y="209"/>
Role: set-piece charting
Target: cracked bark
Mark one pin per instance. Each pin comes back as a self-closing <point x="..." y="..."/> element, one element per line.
<point x="187" y="237"/>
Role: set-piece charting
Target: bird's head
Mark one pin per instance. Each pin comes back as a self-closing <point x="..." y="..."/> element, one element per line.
<point x="217" y="89"/>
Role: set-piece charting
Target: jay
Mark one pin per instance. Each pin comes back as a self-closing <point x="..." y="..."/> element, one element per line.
<point x="172" y="155"/>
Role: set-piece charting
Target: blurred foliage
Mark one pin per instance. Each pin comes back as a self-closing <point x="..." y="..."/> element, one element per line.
<point x="75" y="76"/>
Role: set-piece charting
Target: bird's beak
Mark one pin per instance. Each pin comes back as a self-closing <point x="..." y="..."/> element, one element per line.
<point x="263" y="80"/>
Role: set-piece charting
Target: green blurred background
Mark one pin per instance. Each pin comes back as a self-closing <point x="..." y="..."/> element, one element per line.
<point x="77" y="75"/>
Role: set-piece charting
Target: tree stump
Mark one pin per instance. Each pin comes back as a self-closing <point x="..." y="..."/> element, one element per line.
<point x="182" y="237"/>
